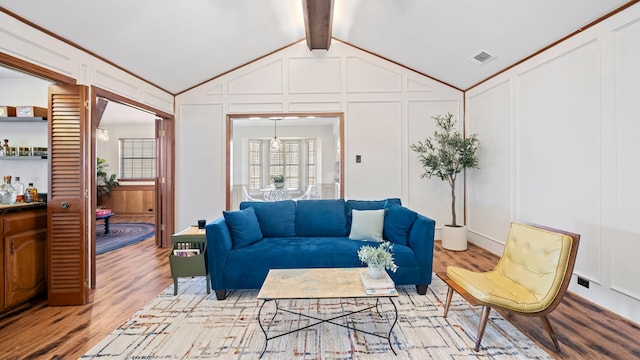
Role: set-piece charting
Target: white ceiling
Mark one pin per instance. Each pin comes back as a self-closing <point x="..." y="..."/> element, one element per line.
<point x="179" y="44"/>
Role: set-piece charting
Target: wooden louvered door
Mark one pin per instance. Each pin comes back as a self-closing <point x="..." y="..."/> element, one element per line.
<point x="66" y="208"/>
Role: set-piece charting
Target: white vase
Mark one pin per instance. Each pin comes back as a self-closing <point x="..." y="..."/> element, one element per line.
<point x="454" y="238"/>
<point x="376" y="272"/>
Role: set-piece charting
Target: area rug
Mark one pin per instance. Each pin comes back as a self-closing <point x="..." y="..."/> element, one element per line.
<point x="121" y="234"/>
<point x="194" y="325"/>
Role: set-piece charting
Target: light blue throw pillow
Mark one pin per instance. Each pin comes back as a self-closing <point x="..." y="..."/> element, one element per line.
<point x="367" y="225"/>
<point x="243" y="226"/>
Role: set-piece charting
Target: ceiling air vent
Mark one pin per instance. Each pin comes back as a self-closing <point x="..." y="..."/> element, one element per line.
<point x="481" y="57"/>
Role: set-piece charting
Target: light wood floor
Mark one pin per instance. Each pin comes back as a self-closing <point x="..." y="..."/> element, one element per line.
<point x="130" y="277"/>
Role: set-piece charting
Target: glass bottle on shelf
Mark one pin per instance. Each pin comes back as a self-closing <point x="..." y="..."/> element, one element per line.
<point x="34" y="193"/>
<point x="6" y="151"/>
<point x="31" y="194"/>
<point x="7" y="192"/>
<point x="19" y="188"/>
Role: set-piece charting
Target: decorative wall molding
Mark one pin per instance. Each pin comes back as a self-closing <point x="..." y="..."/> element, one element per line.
<point x="264" y="79"/>
<point x="214" y="90"/>
<point x="366" y="77"/>
<point x="416" y="87"/>
<point x="55" y="60"/>
<point x="255" y="107"/>
<point x="315" y="106"/>
<point x="314" y="75"/>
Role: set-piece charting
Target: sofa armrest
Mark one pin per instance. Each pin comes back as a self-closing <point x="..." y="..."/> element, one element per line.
<point x="219" y="246"/>
<point x="421" y="240"/>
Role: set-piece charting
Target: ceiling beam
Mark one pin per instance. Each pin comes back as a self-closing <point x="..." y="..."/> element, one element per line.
<point x="318" y="19"/>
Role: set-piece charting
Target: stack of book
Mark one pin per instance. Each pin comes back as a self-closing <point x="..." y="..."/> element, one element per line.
<point x="381" y="286"/>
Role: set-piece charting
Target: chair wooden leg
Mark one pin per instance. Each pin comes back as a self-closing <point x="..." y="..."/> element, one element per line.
<point x="448" y="302"/>
<point x="484" y="317"/>
<point x="547" y="326"/>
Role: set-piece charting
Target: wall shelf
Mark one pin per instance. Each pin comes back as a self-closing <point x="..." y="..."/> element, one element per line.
<point x="22" y="119"/>
<point x="23" y="157"/>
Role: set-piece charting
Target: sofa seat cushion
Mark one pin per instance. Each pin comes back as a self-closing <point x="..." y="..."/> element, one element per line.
<point x="277" y="219"/>
<point x="298" y="252"/>
<point x="321" y="218"/>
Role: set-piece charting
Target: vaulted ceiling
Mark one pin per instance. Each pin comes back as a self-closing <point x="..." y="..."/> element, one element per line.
<point x="179" y="44"/>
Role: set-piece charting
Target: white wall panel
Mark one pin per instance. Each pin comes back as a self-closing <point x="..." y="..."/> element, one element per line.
<point x="489" y="186"/>
<point x="214" y="90"/>
<point x="25" y="42"/>
<point x="373" y="131"/>
<point x="414" y="86"/>
<point x="266" y="79"/>
<point x="558" y="148"/>
<point x="625" y="247"/>
<point x="376" y="125"/>
<point x="315" y="106"/>
<point x="255" y="107"/>
<point x="575" y="115"/>
<point x="430" y="197"/>
<point x="314" y="75"/>
<point x="158" y="100"/>
<point x="200" y="153"/>
<point x="113" y="82"/>
<point x="365" y="77"/>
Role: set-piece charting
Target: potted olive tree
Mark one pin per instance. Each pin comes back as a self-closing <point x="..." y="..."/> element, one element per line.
<point x="446" y="155"/>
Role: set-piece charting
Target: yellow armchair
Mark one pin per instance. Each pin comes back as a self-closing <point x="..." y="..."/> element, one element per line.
<point x="530" y="278"/>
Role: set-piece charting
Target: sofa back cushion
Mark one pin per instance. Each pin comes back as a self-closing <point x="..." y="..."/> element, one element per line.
<point x="276" y="219"/>
<point x="351" y="205"/>
<point x="243" y="226"/>
<point x="321" y="218"/>
<point x="397" y="224"/>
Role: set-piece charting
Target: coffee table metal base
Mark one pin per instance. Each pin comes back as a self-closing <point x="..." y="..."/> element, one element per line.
<point x="329" y="320"/>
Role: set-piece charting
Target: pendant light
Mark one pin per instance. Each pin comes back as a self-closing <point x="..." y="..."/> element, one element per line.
<point x="275" y="143"/>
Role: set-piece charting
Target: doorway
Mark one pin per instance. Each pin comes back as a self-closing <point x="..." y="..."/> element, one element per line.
<point x="135" y="114"/>
<point x="125" y="169"/>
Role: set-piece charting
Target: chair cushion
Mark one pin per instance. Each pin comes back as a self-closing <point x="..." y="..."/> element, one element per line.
<point x="276" y="219"/>
<point x="529" y="274"/>
<point x="321" y="218"/>
<point x="397" y="224"/>
<point x="243" y="226"/>
<point x="367" y="225"/>
<point x="494" y="288"/>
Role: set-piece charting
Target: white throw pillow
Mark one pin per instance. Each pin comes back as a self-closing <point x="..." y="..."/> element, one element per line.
<point x="367" y="225"/>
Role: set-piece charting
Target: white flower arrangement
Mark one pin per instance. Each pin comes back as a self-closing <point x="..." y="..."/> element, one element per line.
<point x="378" y="257"/>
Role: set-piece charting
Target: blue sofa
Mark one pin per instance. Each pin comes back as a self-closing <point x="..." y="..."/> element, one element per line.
<point x="244" y="244"/>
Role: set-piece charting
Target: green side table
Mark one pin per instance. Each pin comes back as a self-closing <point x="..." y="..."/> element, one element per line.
<point x="189" y="256"/>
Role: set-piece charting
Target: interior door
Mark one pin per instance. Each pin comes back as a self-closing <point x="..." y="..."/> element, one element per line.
<point x="164" y="181"/>
<point x="66" y="208"/>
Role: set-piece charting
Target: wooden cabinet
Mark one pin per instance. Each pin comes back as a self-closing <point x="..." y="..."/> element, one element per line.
<point x="24" y="247"/>
<point x="131" y="199"/>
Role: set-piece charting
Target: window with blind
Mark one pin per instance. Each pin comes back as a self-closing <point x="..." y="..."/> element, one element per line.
<point x="311" y="165"/>
<point x="137" y="159"/>
<point x="255" y="165"/>
<point x="296" y="160"/>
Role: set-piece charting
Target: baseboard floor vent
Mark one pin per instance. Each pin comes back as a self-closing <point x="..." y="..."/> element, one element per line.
<point x="481" y="58"/>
